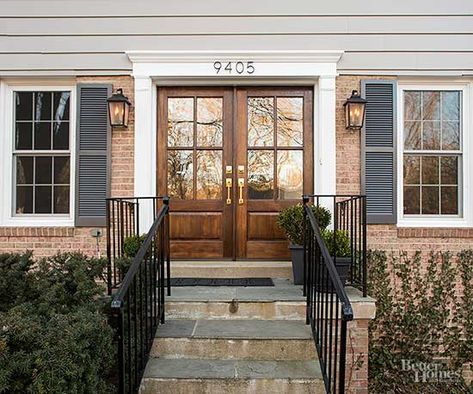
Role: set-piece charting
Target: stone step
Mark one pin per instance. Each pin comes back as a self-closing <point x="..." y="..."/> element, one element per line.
<point x="184" y="376"/>
<point x="284" y="301"/>
<point x="231" y="269"/>
<point x="234" y="340"/>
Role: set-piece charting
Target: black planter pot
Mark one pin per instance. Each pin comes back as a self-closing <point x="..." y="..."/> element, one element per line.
<point x="342" y="265"/>
<point x="297" y="256"/>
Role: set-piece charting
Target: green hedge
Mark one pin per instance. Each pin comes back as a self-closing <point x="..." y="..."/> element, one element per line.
<point x="55" y="335"/>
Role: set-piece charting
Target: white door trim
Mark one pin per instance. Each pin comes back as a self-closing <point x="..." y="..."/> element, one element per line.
<point x="159" y="68"/>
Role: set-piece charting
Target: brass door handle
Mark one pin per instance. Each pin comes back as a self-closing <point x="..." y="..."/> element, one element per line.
<point x="241" y="184"/>
<point x="228" y="184"/>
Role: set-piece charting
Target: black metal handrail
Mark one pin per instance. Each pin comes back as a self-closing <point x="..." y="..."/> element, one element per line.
<point x="328" y="306"/>
<point x="139" y="303"/>
<point x="349" y="216"/>
<point x="123" y="221"/>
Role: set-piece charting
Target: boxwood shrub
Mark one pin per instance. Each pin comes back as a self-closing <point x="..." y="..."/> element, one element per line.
<point x="55" y="335"/>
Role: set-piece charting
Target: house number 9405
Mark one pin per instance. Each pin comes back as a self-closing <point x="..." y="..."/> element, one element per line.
<point x="234" y="67"/>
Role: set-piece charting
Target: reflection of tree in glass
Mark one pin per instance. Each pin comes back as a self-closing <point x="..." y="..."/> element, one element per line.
<point x="180" y="174"/>
<point x="209" y="121"/>
<point x="180" y="121"/>
<point x="289" y="115"/>
<point x="209" y="174"/>
<point x="260" y="174"/>
<point x="260" y="121"/>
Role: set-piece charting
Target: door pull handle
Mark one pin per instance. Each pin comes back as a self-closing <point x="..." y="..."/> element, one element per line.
<point x="241" y="185"/>
<point x="228" y="184"/>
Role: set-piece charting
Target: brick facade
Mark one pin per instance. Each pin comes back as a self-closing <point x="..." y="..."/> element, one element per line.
<point x="45" y="241"/>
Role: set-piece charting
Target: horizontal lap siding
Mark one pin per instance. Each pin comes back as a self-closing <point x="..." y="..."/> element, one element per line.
<point x="80" y="36"/>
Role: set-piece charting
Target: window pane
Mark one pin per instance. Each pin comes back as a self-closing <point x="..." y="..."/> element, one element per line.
<point x="61" y="199"/>
<point x="24" y="199"/>
<point x="412" y="135"/>
<point x="451" y="135"/>
<point x="260" y="121"/>
<point x="209" y="175"/>
<point x="24" y="106"/>
<point x="43" y="196"/>
<point x="451" y="105"/>
<point x="290" y="121"/>
<point x="42" y="108"/>
<point x="449" y="195"/>
<point x="61" y="135"/>
<point x="260" y="174"/>
<point x="431" y="136"/>
<point x="430" y="170"/>
<point x="42" y="136"/>
<point x="24" y="135"/>
<point x="430" y="200"/>
<point x="180" y="175"/>
<point x="430" y="105"/>
<point x="61" y="106"/>
<point x="43" y="170"/>
<point x="411" y="170"/>
<point x="61" y="170"/>
<point x="290" y="175"/>
<point x="209" y="121"/>
<point x="24" y="170"/>
<point x="180" y="121"/>
<point x="449" y="170"/>
<point x="412" y="105"/>
<point x="412" y="200"/>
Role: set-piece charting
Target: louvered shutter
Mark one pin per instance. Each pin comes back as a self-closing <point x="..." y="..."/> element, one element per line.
<point x="93" y="154"/>
<point x="379" y="151"/>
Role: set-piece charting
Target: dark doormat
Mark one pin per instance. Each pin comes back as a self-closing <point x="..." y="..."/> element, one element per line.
<point x="246" y="282"/>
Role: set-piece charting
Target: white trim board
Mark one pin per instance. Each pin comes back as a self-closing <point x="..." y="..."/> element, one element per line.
<point x="160" y="68"/>
<point x="465" y="219"/>
<point x="7" y="218"/>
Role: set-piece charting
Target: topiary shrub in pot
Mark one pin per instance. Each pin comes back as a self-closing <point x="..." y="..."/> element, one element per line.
<point x="291" y="220"/>
<point x="339" y="246"/>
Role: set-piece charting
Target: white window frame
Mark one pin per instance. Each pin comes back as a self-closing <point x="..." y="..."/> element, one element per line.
<point x="465" y="203"/>
<point x="8" y="218"/>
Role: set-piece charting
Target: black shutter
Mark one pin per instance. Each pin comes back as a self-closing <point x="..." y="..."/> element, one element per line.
<point x="93" y="154"/>
<point x="379" y="151"/>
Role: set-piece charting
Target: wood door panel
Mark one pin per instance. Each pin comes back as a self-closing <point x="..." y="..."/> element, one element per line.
<point x="263" y="226"/>
<point x="201" y="132"/>
<point x="275" y="146"/>
<point x="193" y="225"/>
<point x="197" y="249"/>
<point x="195" y="133"/>
<point x="278" y="250"/>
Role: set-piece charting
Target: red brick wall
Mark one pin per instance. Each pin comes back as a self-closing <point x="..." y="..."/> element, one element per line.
<point x="45" y="241"/>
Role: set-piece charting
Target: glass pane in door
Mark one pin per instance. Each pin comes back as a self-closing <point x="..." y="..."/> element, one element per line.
<point x="195" y="142"/>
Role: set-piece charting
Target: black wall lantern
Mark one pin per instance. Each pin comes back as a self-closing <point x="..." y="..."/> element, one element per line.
<point x="355" y="111"/>
<point x="118" y="109"/>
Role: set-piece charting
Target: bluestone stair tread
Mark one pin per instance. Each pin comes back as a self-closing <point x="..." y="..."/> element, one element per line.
<point x="230" y="369"/>
<point x="283" y="290"/>
<point x="235" y="329"/>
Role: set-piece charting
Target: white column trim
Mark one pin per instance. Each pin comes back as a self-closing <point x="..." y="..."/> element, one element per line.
<point x="325" y="143"/>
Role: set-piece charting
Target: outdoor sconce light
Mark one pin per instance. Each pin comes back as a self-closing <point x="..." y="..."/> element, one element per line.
<point x="355" y="111"/>
<point x="118" y="109"/>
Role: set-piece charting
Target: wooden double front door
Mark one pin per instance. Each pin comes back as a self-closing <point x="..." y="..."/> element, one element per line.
<point x="231" y="159"/>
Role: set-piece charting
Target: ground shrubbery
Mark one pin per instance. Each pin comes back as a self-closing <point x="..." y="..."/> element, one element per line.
<point x="424" y="315"/>
<point x="55" y="335"/>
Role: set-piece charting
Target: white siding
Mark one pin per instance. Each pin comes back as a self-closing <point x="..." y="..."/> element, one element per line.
<point x="378" y="36"/>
